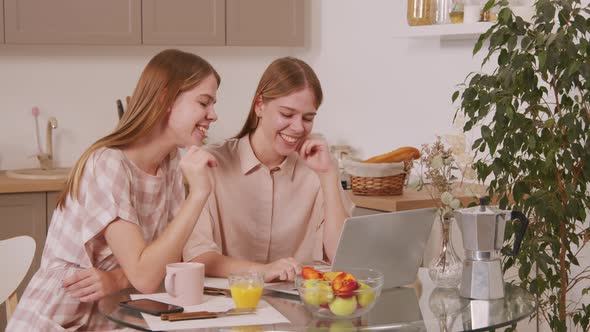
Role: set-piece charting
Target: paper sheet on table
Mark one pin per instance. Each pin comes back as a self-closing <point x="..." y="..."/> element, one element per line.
<point x="265" y="314"/>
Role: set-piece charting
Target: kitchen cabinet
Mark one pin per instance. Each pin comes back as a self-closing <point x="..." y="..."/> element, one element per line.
<point x="154" y="22"/>
<point x="72" y="22"/>
<point x="1" y="21"/>
<point x="223" y="22"/>
<point x="23" y="214"/>
<point x="183" y="22"/>
<point x="264" y="22"/>
<point x="51" y="203"/>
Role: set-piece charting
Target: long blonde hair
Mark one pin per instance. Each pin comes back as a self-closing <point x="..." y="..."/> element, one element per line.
<point x="282" y="77"/>
<point x="168" y="74"/>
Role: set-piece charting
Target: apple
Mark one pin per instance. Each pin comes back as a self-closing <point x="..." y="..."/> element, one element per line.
<point x="366" y="295"/>
<point x="343" y="306"/>
<point x="329" y="276"/>
<point x="317" y="292"/>
<point x="344" y="284"/>
<point x="308" y="272"/>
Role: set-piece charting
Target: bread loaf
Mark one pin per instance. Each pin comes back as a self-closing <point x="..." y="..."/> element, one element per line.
<point x="396" y="156"/>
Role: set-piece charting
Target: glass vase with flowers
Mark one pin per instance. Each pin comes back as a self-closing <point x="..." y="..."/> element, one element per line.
<point x="440" y="172"/>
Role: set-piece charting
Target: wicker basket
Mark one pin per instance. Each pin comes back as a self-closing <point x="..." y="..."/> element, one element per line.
<point x="381" y="186"/>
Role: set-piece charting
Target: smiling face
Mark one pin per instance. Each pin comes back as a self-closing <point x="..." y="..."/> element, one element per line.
<point x="285" y="122"/>
<point x="192" y="113"/>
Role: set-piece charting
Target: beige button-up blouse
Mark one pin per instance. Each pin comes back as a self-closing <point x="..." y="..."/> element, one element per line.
<point x="259" y="214"/>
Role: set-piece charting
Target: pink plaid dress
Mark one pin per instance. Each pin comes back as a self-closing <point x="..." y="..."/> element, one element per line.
<point x="111" y="187"/>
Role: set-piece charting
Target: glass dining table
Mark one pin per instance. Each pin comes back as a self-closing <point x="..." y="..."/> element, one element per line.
<point x="419" y="307"/>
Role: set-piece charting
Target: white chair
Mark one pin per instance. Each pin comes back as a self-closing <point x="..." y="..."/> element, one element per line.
<point x="16" y="256"/>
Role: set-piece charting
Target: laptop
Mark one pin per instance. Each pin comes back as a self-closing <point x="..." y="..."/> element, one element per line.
<point x="392" y="243"/>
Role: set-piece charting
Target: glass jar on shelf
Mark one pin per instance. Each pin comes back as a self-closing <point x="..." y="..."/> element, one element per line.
<point x="443" y="11"/>
<point x="456" y="14"/>
<point x="421" y="12"/>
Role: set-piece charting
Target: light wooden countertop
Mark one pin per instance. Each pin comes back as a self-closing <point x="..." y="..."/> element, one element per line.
<point x="409" y="200"/>
<point x="9" y="185"/>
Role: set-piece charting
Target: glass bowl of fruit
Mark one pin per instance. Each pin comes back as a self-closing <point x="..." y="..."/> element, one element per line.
<point x="339" y="294"/>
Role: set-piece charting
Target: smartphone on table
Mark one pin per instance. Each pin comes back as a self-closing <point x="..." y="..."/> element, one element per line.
<point x="151" y="307"/>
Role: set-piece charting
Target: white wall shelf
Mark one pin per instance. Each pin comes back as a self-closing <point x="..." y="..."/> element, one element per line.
<point x="460" y="30"/>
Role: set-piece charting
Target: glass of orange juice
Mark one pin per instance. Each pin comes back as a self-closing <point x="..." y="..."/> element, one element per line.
<point x="246" y="288"/>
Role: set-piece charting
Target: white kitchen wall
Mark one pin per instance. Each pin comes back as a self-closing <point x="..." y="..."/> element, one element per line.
<point x="380" y="92"/>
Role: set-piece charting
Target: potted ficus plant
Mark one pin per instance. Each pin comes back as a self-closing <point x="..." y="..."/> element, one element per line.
<point x="532" y="110"/>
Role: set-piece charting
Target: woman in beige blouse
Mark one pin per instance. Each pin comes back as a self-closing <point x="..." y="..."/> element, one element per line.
<point x="277" y="201"/>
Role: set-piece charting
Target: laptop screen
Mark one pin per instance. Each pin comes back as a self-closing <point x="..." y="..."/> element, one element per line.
<point x="392" y="243"/>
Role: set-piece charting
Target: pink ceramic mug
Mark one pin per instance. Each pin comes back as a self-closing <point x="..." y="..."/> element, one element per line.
<point x="184" y="282"/>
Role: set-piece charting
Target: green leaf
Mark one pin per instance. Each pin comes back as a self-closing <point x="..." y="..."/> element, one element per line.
<point x="478" y="44"/>
<point x="469" y="94"/>
<point x="497" y="39"/>
<point x="476" y="143"/>
<point x="563" y="16"/>
<point x="549" y="123"/>
<point x="525" y="42"/>
<point x="486" y="132"/>
<point x="512" y="42"/>
<point x="532" y="142"/>
<point x="517" y="192"/>
<point x="503" y="203"/>
<point x="455" y="95"/>
<point x="572" y="208"/>
<point x="503" y="58"/>
<point x="580" y="23"/>
<point x="488" y="5"/>
<point x="542" y="59"/>
<point x="548" y="13"/>
<point x="520" y="24"/>
<point x="510" y="112"/>
<point x="504" y="15"/>
<point x="475" y="79"/>
<point x="573" y="68"/>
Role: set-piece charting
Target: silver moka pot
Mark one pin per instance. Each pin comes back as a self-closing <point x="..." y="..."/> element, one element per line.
<point x="482" y="229"/>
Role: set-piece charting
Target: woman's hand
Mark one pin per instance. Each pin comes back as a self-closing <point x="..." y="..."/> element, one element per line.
<point x="196" y="164"/>
<point x="283" y="269"/>
<point x="316" y="154"/>
<point x="92" y="284"/>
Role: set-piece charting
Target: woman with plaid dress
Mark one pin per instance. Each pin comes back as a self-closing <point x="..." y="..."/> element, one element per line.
<point x="123" y="215"/>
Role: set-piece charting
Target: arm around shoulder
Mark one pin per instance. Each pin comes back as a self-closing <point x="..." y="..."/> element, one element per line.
<point x="145" y="264"/>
